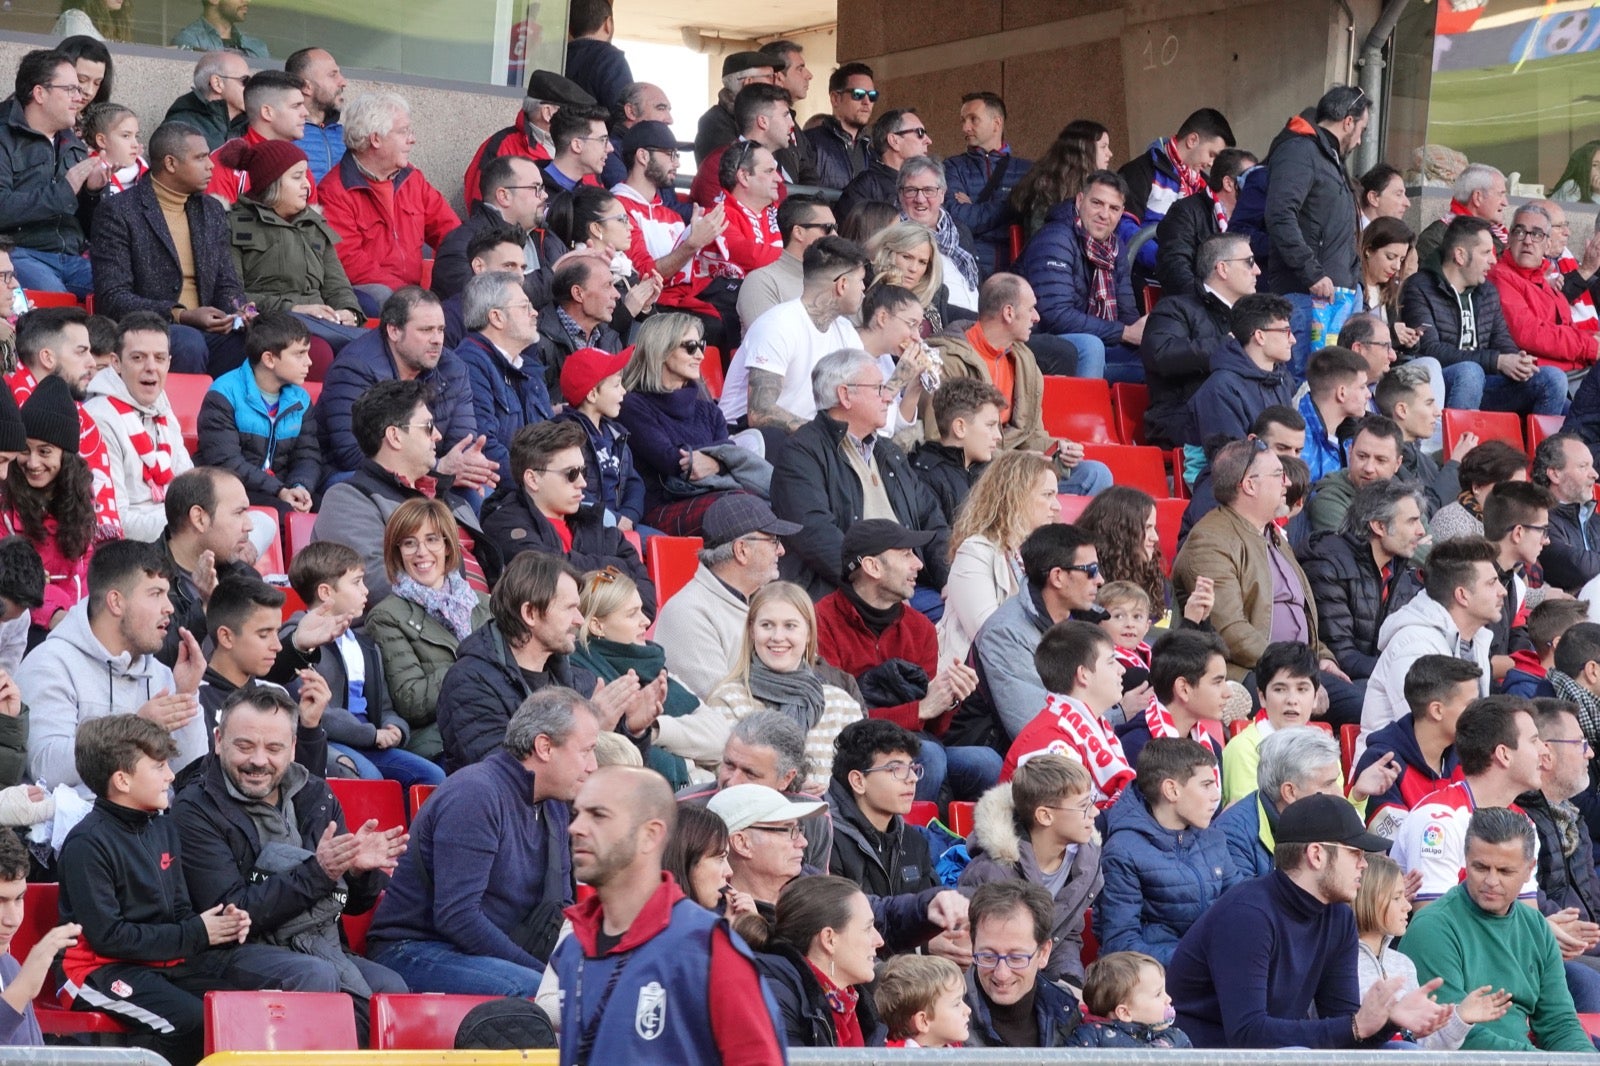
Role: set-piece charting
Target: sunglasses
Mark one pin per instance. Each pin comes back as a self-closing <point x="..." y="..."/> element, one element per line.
<point x="573" y="474"/>
<point x="914" y="131"/>
<point x="693" y="347"/>
<point x="864" y="94"/>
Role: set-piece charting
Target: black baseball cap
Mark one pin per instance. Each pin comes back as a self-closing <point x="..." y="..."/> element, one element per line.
<point x="1324" y="819"/>
<point x="647" y="134"/>
<point x="875" y="536"/>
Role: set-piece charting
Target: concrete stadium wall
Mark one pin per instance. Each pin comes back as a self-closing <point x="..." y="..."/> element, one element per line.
<point x="451" y="119"/>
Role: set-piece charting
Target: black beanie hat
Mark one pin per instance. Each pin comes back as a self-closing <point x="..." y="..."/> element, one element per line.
<point x="13" y="438"/>
<point x="51" y="415"/>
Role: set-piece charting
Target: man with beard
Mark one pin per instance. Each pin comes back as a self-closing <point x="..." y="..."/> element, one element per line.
<point x="1281" y="945"/>
<point x="261" y="832"/>
<point x="691" y="987"/>
<point x="323" y="139"/>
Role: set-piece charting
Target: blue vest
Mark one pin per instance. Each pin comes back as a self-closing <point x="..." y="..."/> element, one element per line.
<point x="659" y="1009"/>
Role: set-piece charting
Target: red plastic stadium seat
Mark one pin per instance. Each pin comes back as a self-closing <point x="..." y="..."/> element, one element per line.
<point x="50" y="299"/>
<point x="419" y="795"/>
<point x="1152" y="296"/>
<point x="1540" y="427"/>
<point x="279" y="1021"/>
<point x="1169" y="520"/>
<point x="1488" y="425"/>
<point x="1348" y="735"/>
<point x="271" y="561"/>
<point x="1180" y="487"/>
<point x="420" y="1021"/>
<point x="1591" y="1024"/>
<point x="1079" y="409"/>
<point x="1017" y="240"/>
<point x="1129" y="400"/>
<point x="298" y="526"/>
<point x="363" y="800"/>
<point x="186" y="392"/>
<point x="672" y="562"/>
<point x="41" y="913"/>
<point x="632" y="537"/>
<point x="922" y="812"/>
<point x="1072" y="507"/>
<point x="315" y="389"/>
<point x="961" y="817"/>
<point x="1143" y="468"/>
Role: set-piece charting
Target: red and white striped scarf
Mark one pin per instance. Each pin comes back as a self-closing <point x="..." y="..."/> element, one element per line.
<point x="1102" y="256"/>
<point x="1583" y="310"/>
<point x="155" y="456"/>
<point x="1092" y="742"/>
<point x="1191" y="181"/>
<point x="1159" y="721"/>
<point x="1502" y="236"/>
<point x="1137" y="658"/>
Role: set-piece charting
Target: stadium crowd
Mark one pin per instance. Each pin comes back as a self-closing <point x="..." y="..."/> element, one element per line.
<point x="938" y="732"/>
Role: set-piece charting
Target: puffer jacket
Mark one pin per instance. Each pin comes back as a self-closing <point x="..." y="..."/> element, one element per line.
<point x="1347" y="589"/>
<point x="284" y="262"/>
<point x="1157" y="882"/>
<point x="839" y="157"/>
<point x="143" y="516"/>
<point x="1235" y="393"/>
<point x="1110" y="1033"/>
<point x="1540" y="318"/>
<point x="1421" y="627"/>
<point x="875" y="184"/>
<point x="1247" y="826"/>
<point x="944" y="472"/>
<point x="803" y="1005"/>
<point x="38" y="208"/>
<point x="1055" y="265"/>
<point x="513" y="525"/>
<point x="504" y="398"/>
<point x="1187" y="225"/>
<point x="417" y="650"/>
<point x="268" y="452"/>
<point x="612" y="482"/>
<point x="210" y="117"/>
<point x="1000" y="853"/>
<point x="1054" y="1008"/>
<point x="1567" y="563"/>
<point x="1180" y="337"/>
<point x="1564" y="880"/>
<point x="988" y="217"/>
<point x="1311" y="211"/>
<point x="893" y="868"/>
<point x="1427" y="299"/>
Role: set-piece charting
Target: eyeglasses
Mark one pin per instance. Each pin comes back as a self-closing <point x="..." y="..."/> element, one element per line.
<point x="989" y="960"/>
<point x="1089" y="570"/>
<point x="1289" y="331"/>
<point x="525" y="305"/>
<point x="1086" y="808"/>
<point x="1543" y="531"/>
<point x="1343" y="847"/>
<point x="538" y="188"/>
<point x="613" y="218"/>
<point x="921" y="192"/>
<point x="1375" y="344"/>
<point x="1248" y="260"/>
<point x="914" y="131"/>
<point x="594" y="137"/>
<point x="693" y="347"/>
<point x="71" y="90"/>
<point x="426" y="427"/>
<point x="883" y="390"/>
<point x="573" y="473"/>
<point x="673" y="152"/>
<point x="760" y="539"/>
<point x="792" y="830"/>
<point x="232" y="77"/>
<point x="859" y="95"/>
<point x="1588" y="749"/>
<point x="1535" y="236"/>
<point x="825" y="227"/>
<point x="900" y="771"/>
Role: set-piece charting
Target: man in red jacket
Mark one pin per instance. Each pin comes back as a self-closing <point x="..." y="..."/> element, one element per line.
<point x="865" y="628"/>
<point x="1537" y="313"/>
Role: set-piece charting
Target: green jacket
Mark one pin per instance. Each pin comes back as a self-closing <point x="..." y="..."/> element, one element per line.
<point x="285" y="262"/>
<point x="1469" y="947"/>
<point x="417" y="650"/>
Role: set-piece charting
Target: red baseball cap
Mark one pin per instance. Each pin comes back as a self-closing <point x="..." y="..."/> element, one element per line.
<point x="586" y="368"/>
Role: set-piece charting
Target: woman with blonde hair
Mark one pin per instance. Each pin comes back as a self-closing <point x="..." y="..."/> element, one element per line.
<point x="1014" y="496"/>
<point x="776" y="670"/>
<point x="906" y="254"/>
<point x="429" y="611"/>
<point x="612" y="642"/>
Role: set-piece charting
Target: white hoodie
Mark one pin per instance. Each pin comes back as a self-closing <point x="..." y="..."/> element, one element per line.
<point x="143" y="517"/>
<point x="1421" y="627"/>
<point x="70" y="678"/>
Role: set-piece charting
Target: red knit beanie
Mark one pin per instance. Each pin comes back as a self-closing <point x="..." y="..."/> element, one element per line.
<point x="263" y="163"/>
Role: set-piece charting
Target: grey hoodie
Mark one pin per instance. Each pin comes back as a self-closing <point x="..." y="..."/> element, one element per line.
<point x="1421" y="627"/>
<point x="143" y="516"/>
<point x="70" y="678"/>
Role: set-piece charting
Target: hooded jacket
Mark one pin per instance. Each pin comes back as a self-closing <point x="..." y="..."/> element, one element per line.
<point x="893" y="868"/>
<point x="284" y="262"/>
<point x="1540" y="318"/>
<point x="1000" y="853"/>
<point x="1157" y="881"/>
<point x="1417" y="780"/>
<point x="1311" y="211"/>
<point x="1421" y="627"/>
<point x="1182" y="334"/>
<point x="268" y="451"/>
<point x="71" y="677"/>
<point x="1056" y="266"/>
<point x="143" y="516"/>
<point x="417" y="650"/>
<point x="1348" y="591"/>
<point x="1235" y="394"/>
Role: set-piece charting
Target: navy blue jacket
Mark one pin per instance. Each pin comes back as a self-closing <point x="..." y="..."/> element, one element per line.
<point x="1108" y="1032"/>
<point x="838" y="158"/>
<point x="1235" y="394"/>
<point x="1055" y="265"/>
<point x="600" y="68"/>
<point x="988" y="217"/>
<point x="612" y="483"/>
<point x="1157" y="882"/>
<point x="1241" y="827"/>
<point x="803" y="1005"/>
<point x="363" y="363"/>
<point x="136" y="264"/>
<point x="1417" y="779"/>
<point x="268" y="453"/>
<point x="663" y="422"/>
<point x="1055" y="1008"/>
<point x="504" y="398"/>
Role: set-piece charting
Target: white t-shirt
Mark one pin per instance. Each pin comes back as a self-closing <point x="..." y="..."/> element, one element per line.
<point x="1433" y="839"/>
<point x="783" y="341"/>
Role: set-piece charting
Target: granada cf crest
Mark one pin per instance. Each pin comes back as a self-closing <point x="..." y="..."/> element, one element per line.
<point x="650" y="1017"/>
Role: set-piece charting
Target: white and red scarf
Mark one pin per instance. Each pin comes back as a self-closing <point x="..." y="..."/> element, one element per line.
<point x="155" y="456"/>
<point x="1502" y="236"/>
<point x="1094" y="743"/>
<point x="1583" y="310"/>
<point x="1191" y="181"/>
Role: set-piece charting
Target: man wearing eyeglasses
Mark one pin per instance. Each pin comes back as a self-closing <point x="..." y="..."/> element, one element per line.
<point x="215" y="106"/>
<point x="48" y="176"/>
<point x="1191" y="221"/>
<point x="581" y="147"/>
<point x="1565" y="870"/>
<point x="840" y="140"/>
<point x="1011" y="943"/>
<point x="529" y="135"/>
<point x="512" y="192"/>
<point x="897" y="135"/>
<point x="803" y="221"/>
<point x="766" y="844"/>
<point x="1538" y="314"/>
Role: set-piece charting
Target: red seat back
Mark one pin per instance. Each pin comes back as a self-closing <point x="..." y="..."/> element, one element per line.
<point x="672" y="562"/>
<point x="298" y="525"/>
<point x="961" y="816"/>
<point x="711" y="372"/>
<point x="1488" y="425"/>
<point x="1130" y="401"/>
<point x="1542" y="426"/>
<point x="1348" y="735"/>
<point x="363" y="800"/>
<point x="922" y="812"/>
<point x="1169" y="520"/>
<point x="1143" y="468"/>
<point x="1072" y="507"/>
<point x="419" y="1021"/>
<point x="279" y="1021"/>
<point x="271" y="561"/>
<point x="419" y="795"/>
<point x="40" y="298"/>
<point x="186" y="392"/>
<point x="1079" y="409"/>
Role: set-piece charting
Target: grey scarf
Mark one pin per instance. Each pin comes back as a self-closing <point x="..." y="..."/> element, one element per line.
<point x="797" y="694"/>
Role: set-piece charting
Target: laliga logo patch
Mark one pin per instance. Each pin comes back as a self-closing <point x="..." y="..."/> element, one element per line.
<point x="650" y="1017"/>
<point x="1432" y="836"/>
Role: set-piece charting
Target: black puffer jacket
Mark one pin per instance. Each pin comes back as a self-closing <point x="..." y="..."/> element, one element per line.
<point x="1180" y="337"/>
<point x="1345" y="584"/>
<point x="1567" y="563"/>
<point x="814" y="484"/>
<point x="38" y="208"/>
<point x="513" y="525"/>
<point x="944" y="472"/>
<point x="1178" y="239"/>
<point x="838" y="157"/>
<point x="1564" y="880"/>
<point x="1311" y="211"/>
<point x="877" y="182"/>
<point x="803" y="1005"/>
<point x="1427" y="299"/>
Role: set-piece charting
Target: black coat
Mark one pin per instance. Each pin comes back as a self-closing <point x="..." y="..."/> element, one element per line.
<point x="1426" y="299"/>
<point x="1180" y="337"/>
<point x="38" y="208"/>
<point x="1440" y="484"/>
<point x="514" y="525"/>
<point x="877" y="182"/>
<point x="716" y="128"/>
<point x="1311" y="212"/>
<point x="1567" y="563"/>
<point x="944" y="472"/>
<point x="1564" y="881"/>
<point x="803" y="1005"/>
<point x="1345" y="584"/>
<point x="136" y="264"/>
<point x="815" y="485"/>
<point x="1178" y="239"/>
<point x="555" y="344"/>
<point x="452" y="271"/>
<point x="221" y="845"/>
<point x="838" y="158"/>
<point x="210" y="117"/>
<point x="893" y="868"/>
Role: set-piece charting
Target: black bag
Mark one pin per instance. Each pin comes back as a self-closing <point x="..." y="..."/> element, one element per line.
<point x="509" y="1024"/>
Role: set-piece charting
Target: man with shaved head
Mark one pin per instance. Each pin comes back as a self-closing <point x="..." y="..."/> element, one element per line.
<point x="648" y="974"/>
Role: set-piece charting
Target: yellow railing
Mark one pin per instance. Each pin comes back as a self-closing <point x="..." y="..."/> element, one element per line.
<point x="382" y="1058"/>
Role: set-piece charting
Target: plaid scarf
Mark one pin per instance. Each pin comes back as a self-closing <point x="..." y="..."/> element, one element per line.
<point x="1102" y="255"/>
<point x="1502" y="236"/>
<point x="1588" y="708"/>
<point x="1583" y="310"/>
<point x="947" y="236"/>
<point x="155" y="456"/>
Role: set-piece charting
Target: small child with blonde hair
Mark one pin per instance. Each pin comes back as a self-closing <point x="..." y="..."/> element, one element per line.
<point x="922" y="1001"/>
<point x="1126" y="1005"/>
<point x="1127" y="622"/>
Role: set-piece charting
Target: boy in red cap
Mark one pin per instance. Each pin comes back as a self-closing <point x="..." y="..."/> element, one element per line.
<point x="591" y="383"/>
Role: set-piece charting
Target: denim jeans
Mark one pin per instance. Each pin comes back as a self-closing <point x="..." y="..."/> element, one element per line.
<point x="1469" y="388"/>
<point x="969" y="771"/>
<point x="1096" y="359"/>
<point x="434" y="966"/>
<point x="337" y="334"/>
<point x="53" y="272"/>
<point x="203" y="352"/>
<point x="1583" y="981"/>
<point x="396" y="764"/>
<point x="1088" y="478"/>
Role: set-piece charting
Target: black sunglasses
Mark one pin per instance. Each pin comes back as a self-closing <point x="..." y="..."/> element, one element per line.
<point x="693" y="346"/>
<point x="864" y="94"/>
<point x="572" y="473"/>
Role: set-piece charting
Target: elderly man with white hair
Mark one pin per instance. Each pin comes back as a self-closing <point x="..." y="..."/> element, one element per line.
<point x="1480" y="191"/>
<point x="381" y="206"/>
<point x="920" y="188"/>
